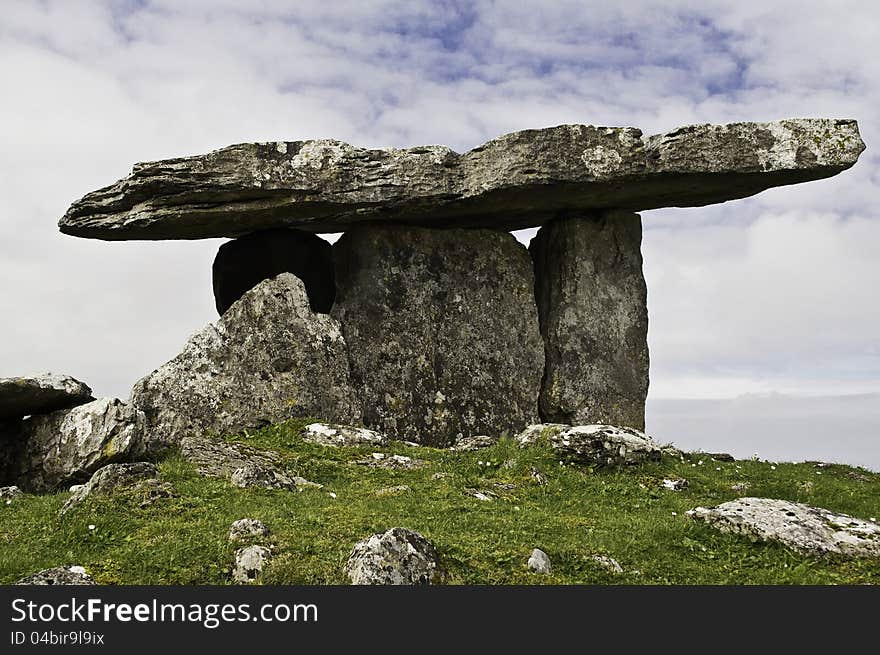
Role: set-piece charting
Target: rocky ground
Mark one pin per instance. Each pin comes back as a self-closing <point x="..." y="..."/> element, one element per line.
<point x="528" y="511"/>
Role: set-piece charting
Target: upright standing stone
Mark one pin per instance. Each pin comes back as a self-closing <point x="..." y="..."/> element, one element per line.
<point x="442" y="331"/>
<point x="592" y="305"/>
<point x="241" y="264"/>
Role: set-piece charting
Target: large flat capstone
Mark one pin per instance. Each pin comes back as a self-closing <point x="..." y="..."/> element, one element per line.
<point x="442" y="331"/>
<point x="518" y="180"/>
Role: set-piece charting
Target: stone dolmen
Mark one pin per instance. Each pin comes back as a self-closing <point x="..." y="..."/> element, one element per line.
<point x="427" y="320"/>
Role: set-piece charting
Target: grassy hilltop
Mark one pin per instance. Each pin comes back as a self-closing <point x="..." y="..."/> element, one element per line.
<point x="575" y="514"/>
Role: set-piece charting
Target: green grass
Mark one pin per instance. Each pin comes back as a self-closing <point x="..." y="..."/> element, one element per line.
<point x="623" y="513"/>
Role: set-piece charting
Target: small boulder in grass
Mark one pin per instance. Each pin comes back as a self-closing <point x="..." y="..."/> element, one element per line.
<point x="8" y="494"/>
<point x="249" y="563"/>
<point x="59" y="575"/>
<point x="247" y="530"/>
<point x="396" y="557"/>
<point x="595" y="445"/>
<point x="539" y="561"/>
<point x="326" y="434"/>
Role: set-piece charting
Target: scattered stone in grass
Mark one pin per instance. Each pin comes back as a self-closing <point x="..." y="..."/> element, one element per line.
<point x="675" y="484"/>
<point x="596" y="445"/>
<point x="471" y="443"/>
<point x="722" y="457"/>
<point x="741" y="487"/>
<point x="325" y="434"/>
<point x="440" y="475"/>
<point x="508" y="464"/>
<point x="810" y="530"/>
<point x="392" y="491"/>
<point x="139" y="477"/>
<point x="247" y="529"/>
<point x="857" y="475"/>
<point x="249" y="563"/>
<point x="535" y="432"/>
<point x="383" y="461"/>
<point x="59" y="575"/>
<point x="539" y="561"/>
<point x="8" y="494"/>
<point x="537" y="476"/>
<point x="608" y="563"/>
<point x="507" y="486"/>
<point x="480" y="495"/>
<point x="806" y="486"/>
<point x="396" y="557"/>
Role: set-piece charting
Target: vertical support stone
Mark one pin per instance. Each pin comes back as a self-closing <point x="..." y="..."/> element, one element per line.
<point x="592" y="307"/>
<point x="442" y="331"/>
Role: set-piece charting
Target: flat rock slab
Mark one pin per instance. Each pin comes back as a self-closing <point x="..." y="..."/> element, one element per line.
<point x="810" y="530"/>
<point x="40" y="394"/>
<point x="594" y="445"/>
<point x="515" y="181"/>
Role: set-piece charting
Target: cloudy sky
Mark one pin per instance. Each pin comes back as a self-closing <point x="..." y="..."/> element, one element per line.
<point x="773" y="293"/>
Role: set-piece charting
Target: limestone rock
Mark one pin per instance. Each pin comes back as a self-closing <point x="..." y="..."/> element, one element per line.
<point x="247" y="529"/>
<point x="476" y="442"/>
<point x="242" y="465"/>
<point x="396" y="557"/>
<point x="515" y="181"/>
<point x="608" y="563"/>
<point x="243" y="263"/>
<point x="810" y="530"/>
<point x="268" y="359"/>
<point x="539" y="561"/>
<point x="140" y="476"/>
<point x="598" y="445"/>
<point x="391" y="462"/>
<point x="40" y="394"/>
<point x="442" y="331"/>
<point x="592" y="307"/>
<point x="323" y="434"/>
<point x="69" y="445"/>
<point x="675" y="484"/>
<point x="8" y="494"/>
<point x="60" y="575"/>
<point x="537" y="431"/>
<point x="249" y="563"/>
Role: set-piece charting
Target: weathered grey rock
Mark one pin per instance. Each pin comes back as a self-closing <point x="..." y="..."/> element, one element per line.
<point x="69" y="445"/>
<point x="396" y="557"/>
<point x="475" y="442"/>
<point x="810" y="530"/>
<point x="8" y="494"/>
<point x="60" y="575"/>
<point x="515" y="181"/>
<point x="242" y="465"/>
<point x="249" y="563"/>
<point x="598" y="445"/>
<point x="442" y="331"/>
<point x="539" y="561"/>
<point x="675" y="484"/>
<point x="324" y="434"/>
<point x="592" y="307"/>
<point x="243" y="263"/>
<point x="536" y="431"/>
<point x="247" y="529"/>
<point x="391" y="462"/>
<point x="40" y="394"/>
<point x="608" y="563"/>
<point x="140" y="476"/>
<point x="396" y="490"/>
<point x="268" y="359"/>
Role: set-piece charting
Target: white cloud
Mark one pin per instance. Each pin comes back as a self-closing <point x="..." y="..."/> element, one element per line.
<point x="772" y="291"/>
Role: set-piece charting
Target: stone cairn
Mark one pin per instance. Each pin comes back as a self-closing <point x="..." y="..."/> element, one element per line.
<point x="427" y="320"/>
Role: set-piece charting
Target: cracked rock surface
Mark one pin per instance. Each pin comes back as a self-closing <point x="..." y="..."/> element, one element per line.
<point x="396" y="557"/>
<point x="512" y="182"/>
<point x="810" y="530"/>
